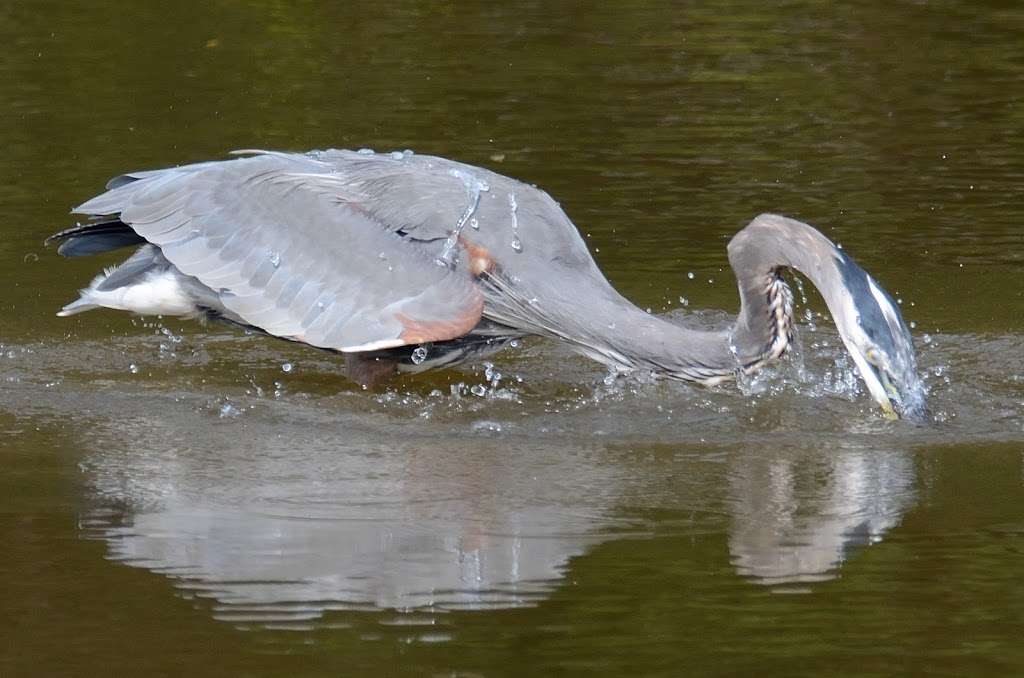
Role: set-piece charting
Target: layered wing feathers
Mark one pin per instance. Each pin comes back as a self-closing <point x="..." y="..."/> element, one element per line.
<point x="289" y="246"/>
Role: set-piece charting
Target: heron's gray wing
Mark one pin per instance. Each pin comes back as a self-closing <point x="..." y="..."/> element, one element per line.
<point x="428" y="198"/>
<point x="538" y="266"/>
<point x="287" y="248"/>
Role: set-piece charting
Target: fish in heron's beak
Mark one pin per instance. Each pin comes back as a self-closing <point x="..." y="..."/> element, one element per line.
<point x="879" y="342"/>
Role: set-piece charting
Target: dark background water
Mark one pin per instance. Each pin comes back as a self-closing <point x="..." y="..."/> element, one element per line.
<point x="176" y="502"/>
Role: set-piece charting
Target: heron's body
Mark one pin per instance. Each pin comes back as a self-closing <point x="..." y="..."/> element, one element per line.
<point x="411" y="261"/>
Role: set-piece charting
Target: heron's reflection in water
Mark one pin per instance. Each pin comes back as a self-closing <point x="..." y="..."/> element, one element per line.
<point x="283" y="520"/>
<point x="279" y="522"/>
<point x="796" y="515"/>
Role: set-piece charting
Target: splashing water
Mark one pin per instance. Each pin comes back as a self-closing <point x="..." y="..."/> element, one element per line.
<point x="486" y="426"/>
<point x="492" y="375"/>
<point x="474" y="187"/>
<point x="228" y="411"/>
<point x="174" y="338"/>
<point x="419" y="354"/>
<point x="799" y="282"/>
<point x="513" y="206"/>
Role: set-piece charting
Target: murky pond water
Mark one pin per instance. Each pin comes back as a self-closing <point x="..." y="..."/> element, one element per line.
<point x="181" y="498"/>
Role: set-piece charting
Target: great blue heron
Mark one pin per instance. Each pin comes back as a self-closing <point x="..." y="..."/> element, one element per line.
<point x="406" y="262"/>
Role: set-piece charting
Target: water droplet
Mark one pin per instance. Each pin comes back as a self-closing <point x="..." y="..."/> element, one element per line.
<point x="133" y="368"/>
<point x="419" y="354"/>
<point x="30" y="258"/>
<point x="275" y="259"/>
<point x="228" y="410"/>
<point x="170" y="335"/>
<point x="478" y="390"/>
<point x="517" y="244"/>
<point x="684" y="301"/>
<point x="287" y="367"/>
<point x="690" y="275"/>
<point x="475" y="224"/>
<point x="913" y="324"/>
<point x="514" y="343"/>
<point x="927" y="338"/>
<point x="473" y="188"/>
<point x="514" y="209"/>
<point x="382" y="255"/>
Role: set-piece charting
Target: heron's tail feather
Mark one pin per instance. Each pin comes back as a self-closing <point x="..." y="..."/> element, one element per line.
<point x="77" y="306"/>
<point x="95" y="237"/>
<point x="146" y="283"/>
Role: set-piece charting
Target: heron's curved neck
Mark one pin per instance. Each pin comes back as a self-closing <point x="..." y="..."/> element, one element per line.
<point x="764" y="327"/>
<point x="587" y="312"/>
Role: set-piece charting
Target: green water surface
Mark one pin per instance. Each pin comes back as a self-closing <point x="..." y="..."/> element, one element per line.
<point x="180" y="499"/>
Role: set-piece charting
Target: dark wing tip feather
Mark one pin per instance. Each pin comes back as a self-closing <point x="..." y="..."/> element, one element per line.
<point x="121" y="180"/>
<point x="94" y="237"/>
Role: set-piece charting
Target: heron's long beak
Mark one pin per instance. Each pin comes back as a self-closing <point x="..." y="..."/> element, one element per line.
<point x="899" y="395"/>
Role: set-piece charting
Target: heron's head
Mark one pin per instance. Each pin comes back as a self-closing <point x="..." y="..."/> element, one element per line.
<point x="879" y="342"/>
